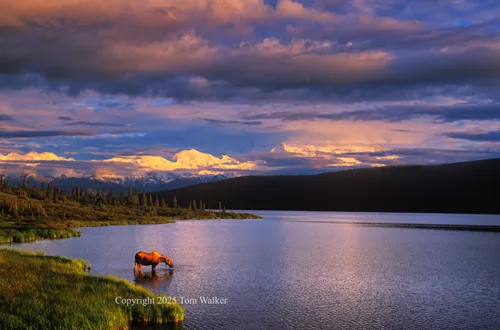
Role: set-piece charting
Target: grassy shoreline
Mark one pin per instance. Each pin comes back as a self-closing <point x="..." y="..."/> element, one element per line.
<point x="55" y="292"/>
<point x="25" y="219"/>
<point x="30" y="235"/>
<point x="29" y="230"/>
<point x="28" y="214"/>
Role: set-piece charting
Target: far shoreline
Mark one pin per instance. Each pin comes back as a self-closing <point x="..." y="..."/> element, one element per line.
<point x="480" y="228"/>
<point x="368" y="212"/>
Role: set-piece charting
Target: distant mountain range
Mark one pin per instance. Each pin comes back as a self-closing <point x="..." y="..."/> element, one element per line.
<point x="150" y="173"/>
<point x="468" y="187"/>
<point x="148" y="183"/>
<point x="145" y="172"/>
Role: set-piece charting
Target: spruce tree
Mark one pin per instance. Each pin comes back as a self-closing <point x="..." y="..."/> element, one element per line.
<point x="48" y="193"/>
<point x="135" y="200"/>
<point x="110" y="196"/>
<point x="86" y="196"/>
<point x="144" y="200"/>
<point x="14" y="209"/>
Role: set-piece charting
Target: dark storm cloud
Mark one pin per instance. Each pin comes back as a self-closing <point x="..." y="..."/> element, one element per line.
<point x="253" y="76"/>
<point x="208" y="54"/>
<point x="393" y="114"/>
<point x="5" y="118"/>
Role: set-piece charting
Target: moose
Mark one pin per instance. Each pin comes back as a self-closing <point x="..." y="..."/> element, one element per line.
<point x="151" y="259"/>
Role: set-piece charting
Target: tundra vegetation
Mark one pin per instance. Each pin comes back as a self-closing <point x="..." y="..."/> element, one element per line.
<point x="43" y="292"/>
<point x="29" y="213"/>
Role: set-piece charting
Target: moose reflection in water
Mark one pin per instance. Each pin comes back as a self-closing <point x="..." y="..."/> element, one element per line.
<point x="153" y="278"/>
<point x="151" y="259"/>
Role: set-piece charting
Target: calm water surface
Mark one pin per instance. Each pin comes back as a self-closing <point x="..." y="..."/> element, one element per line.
<point x="282" y="274"/>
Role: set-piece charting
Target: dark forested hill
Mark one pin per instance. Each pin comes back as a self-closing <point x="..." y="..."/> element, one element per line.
<point x="468" y="187"/>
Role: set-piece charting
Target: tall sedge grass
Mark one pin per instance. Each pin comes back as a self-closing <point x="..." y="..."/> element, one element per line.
<point x="42" y="292"/>
<point x="29" y="235"/>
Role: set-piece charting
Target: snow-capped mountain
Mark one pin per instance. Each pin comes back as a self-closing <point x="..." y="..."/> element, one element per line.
<point x="15" y="179"/>
<point x="149" y="183"/>
<point x="150" y="178"/>
<point x="144" y="172"/>
<point x="185" y="160"/>
<point x="158" y="181"/>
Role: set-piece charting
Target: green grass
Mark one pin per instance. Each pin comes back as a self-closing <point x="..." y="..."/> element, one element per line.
<point x="30" y="235"/>
<point x="42" y="292"/>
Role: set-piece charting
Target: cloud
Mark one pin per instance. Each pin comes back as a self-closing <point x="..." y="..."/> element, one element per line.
<point x="393" y="113"/>
<point x="191" y="68"/>
<point x="493" y="136"/>
<point x="33" y="156"/>
<point x="199" y="50"/>
<point x="241" y="76"/>
<point x="403" y="130"/>
<point x="90" y="123"/>
<point x="232" y="122"/>
<point x="154" y="14"/>
<point x="441" y="155"/>
<point x="39" y="134"/>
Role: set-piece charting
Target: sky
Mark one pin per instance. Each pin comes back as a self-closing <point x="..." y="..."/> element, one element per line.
<point x="281" y="86"/>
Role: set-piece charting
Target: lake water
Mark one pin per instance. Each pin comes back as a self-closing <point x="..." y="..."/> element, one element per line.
<point x="294" y="270"/>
